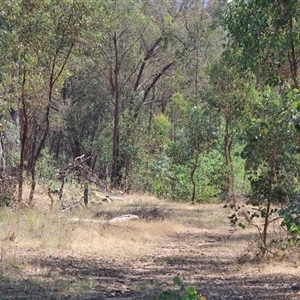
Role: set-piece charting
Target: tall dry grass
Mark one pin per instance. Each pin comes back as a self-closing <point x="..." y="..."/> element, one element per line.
<point x="53" y="231"/>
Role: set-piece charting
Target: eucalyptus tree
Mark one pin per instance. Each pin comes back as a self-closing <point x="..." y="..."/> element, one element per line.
<point x="266" y="37"/>
<point x="86" y="119"/>
<point x="134" y="54"/>
<point x="40" y="37"/>
<point x="201" y="35"/>
<point x="193" y="35"/>
<point x="272" y="164"/>
<point x="232" y="94"/>
<point x="196" y="138"/>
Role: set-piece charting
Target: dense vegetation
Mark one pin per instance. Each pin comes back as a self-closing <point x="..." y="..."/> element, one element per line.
<point x="189" y="100"/>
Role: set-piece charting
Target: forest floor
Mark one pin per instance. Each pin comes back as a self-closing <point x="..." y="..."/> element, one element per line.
<point x="46" y="255"/>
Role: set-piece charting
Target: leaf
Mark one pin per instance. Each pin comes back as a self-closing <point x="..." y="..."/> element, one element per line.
<point x="177" y="280"/>
<point x="242" y="225"/>
<point x="294" y="105"/>
<point x="290" y="94"/>
<point x="191" y="290"/>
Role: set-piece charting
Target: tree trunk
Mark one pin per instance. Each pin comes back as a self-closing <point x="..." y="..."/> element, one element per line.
<point x="194" y="168"/>
<point x="23" y="138"/>
<point x="40" y="146"/>
<point x="52" y="80"/>
<point x="2" y="159"/>
<point x="293" y="61"/>
<point x="265" y="228"/>
<point x="116" y="169"/>
<point x="229" y="179"/>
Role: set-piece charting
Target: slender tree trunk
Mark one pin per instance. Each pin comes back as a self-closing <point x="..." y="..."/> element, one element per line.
<point x="228" y="160"/>
<point x="194" y="168"/>
<point x="23" y="138"/>
<point x="151" y="112"/>
<point x="197" y="74"/>
<point x="31" y="150"/>
<point x="41" y="143"/>
<point x="115" y="175"/>
<point x="77" y="147"/>
<point x="266" y="224"/>
<point x="2" y="159"/>
<point x="52" y="80"/>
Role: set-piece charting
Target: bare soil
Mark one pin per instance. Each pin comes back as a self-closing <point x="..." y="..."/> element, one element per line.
<point x="44" y="256"/>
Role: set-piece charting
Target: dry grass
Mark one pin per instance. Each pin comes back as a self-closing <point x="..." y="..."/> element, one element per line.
<point x="52" y="231"/>
<point x="42" y="244"/>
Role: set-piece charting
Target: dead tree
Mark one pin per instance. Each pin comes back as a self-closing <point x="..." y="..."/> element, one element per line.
<point x="82" y="173"/>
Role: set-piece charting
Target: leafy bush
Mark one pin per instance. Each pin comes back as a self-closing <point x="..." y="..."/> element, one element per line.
<point x="291" y="221"/>
<point x="173" y="180"/>
<point x="183" y="293"/>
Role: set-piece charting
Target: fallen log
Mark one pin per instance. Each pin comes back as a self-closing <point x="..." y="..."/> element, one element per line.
<point x="123" y="218"/>
<point x="108" y="198"/>
<point x="71" y="206"/>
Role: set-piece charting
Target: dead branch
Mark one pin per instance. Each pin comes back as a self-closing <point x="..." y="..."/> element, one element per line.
<point x="123" y="218"/>
<point x="72" y="206"/>
<point x="108" y="198"/>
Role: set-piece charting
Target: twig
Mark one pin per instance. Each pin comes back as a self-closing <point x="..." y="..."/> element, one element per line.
<point x="72" y="206"/>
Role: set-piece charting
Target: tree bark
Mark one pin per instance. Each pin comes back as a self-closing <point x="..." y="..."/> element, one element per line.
<point x="2" y="158"/>
<point x="116" y="169"/>
<point x="293" y="61"/>
<point x="194" y="168"/>
<point x="23" y="138"/>
<point x="228" y="160"/>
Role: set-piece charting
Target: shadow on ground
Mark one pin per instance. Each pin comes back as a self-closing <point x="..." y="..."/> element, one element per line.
<point x="71" y="278"/>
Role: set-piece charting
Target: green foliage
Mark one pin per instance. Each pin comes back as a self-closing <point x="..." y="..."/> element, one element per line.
<point x="272" y="165"/>
<point x="46" y="170"/>
<point x="183" y="293"/>
<point x="161" y="125"/>
<point x="272" y="170"/>
<point x="160" y="133"/>
<point x="187" y="153"/>
<point x="210" y="176"/>
<point x="104" y="52"/>
<point x="263" y="33"/>
<point x="173" y="181"/>
<point x="178" y="112"/>
<point x="291" y="221"/>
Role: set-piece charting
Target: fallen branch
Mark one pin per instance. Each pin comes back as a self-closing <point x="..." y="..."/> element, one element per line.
<point x="108" y="198"/>
<point x="71" y="206"/>
<point x="112" y="221"/>
<point x="123" y="218"/>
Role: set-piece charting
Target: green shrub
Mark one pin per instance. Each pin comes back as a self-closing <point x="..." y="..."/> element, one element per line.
<point x="183" y="293"/>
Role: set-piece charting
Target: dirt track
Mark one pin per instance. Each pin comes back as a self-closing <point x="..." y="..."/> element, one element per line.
<point x="205" y="257"/>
